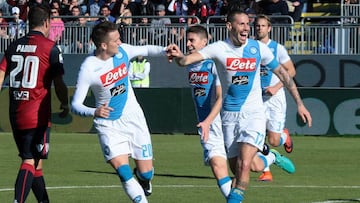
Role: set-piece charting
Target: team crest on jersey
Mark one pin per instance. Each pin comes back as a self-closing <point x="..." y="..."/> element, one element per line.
<point x="119" y="55"/>
<point x="199" y="92"/>
<point x="272" y="50"/>
<point x="241" y="64"/>
<point x="240" y="80"/>
<point x="198" y="77"/>
<point x="253" y="50"/>
<point x="114" y="75"/>
<point x="118" y="90"/>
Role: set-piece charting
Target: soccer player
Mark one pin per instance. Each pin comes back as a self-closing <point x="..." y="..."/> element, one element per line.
<point x="33" y="63"/>
<point x="207" y="95"/>
<point x="118" y="117"/>
<point x="243" y="109"/>
<point x="273" y="92"/>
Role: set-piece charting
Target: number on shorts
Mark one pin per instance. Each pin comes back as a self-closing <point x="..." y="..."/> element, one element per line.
<point x="147" y="150"/>
<point x="29" y="67"/>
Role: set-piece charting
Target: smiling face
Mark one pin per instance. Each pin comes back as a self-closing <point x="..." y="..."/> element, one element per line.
<point x="195" y="42"/>
<point x="239" y="29"/>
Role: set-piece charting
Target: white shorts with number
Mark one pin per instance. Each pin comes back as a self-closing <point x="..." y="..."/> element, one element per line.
<point x="215" y="144"/>
<point x="243" y="127"/>
<point x="127" y="135"/>
<point x="276" y="112"/>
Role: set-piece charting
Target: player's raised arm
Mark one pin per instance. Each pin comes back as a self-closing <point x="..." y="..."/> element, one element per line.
<point x="291" y="86"/>
<point x="181" y="59"/>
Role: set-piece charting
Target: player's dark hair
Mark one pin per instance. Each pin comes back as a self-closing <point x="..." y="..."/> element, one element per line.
<point x="38" y="15"/>
<point x="231" y="15"/>
<point x="100" y="32"/>
<point x="198" y="29"/>
<point x="262" y="16"/>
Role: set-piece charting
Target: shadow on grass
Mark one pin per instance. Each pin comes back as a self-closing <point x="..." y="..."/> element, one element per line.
<point x="156" y="174"/>
<point x="345" y="200"/>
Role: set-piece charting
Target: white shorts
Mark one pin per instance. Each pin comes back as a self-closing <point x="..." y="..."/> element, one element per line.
<point x="127" y="135"/>
<point x="215" y="144"/>
<point x="275" y="110"/>
<point x="246" y="127"/>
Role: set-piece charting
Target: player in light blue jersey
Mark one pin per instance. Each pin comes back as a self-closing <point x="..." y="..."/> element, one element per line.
<point x="207" y="95"/>
<point x="118" y="117"/>
<point x="273" y="92"/>
<point x="244" y="124"/>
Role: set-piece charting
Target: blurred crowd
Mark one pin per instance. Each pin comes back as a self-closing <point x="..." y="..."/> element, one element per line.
<point x="72" y="18"/>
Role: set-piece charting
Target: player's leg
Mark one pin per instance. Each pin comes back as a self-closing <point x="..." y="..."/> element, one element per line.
<point x="131" y="186"/>
<point x="25" y="176"/>
<point x="250" y="139"/>
<point x="144" y="173"/>
<point x="242" y="172"/>
<point x="38" y="186"/>
<point x="215" y="156"/>
<point x="220" y="171"/>
<point x="142" y="151"/>
<point x="115" y="141"/>
<point x="42" y="145"/>
<point x="278" y="135"/>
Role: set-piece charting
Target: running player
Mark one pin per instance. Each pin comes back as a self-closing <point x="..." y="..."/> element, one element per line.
<point x="273" y="92"/>
<point x="33" y="63"/>
<point x="243" y="109"/>
<point x="118" y="117"/>
<point x="207" y="95"/>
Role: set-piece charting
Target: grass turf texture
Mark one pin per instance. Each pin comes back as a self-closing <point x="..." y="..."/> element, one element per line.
<point x="327" y="169"/>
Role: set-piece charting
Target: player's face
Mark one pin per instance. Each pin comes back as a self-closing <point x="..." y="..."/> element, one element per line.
<point x="262" y="28"/>
<point x="113" y="43"/>
<point x="194" y="42"/>
<point x="239" y="29"/>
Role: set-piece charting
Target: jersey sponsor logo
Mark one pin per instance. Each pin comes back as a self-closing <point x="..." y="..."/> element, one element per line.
<point x="114" y="75"/>
<point x="199" y="92"/>
<point x="241" y="64"/>
<point x="240" y="80"/>
<point x="26" y="48"/>
<point x="21" y="95"/>
<point x="118" y="90"/>
<point x="198" y="77"/>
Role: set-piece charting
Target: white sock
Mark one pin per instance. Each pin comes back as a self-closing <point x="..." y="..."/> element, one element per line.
<point x="283" y="137"/>
<point x="267" y="169"/>
<point x="270" y="159"/>
<point x="225" y="186"/>
<point x="134" y="190"/>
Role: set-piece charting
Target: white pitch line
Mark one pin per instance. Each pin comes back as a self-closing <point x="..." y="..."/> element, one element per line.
<point x="196" y="186"/>
<point x="337" y="201"/>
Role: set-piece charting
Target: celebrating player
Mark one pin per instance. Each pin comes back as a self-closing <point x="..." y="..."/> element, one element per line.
<point x="207" y="95"/>
<point x="118" y="117"/>
<point x="243" y="109"/>
<point x="273" y="92"/>
<point x="32" y="63"/>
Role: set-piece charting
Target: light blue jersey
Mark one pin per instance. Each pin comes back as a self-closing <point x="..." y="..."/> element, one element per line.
<point x="242" y="65"/>
<point x="203" y="79"/>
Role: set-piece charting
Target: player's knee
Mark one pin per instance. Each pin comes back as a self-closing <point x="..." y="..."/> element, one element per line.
<point x="124" y="172"/>
<point x="146" y="175"/>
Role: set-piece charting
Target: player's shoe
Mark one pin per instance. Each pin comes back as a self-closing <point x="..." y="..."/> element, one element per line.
<point x="283" y="162"/>
<point x="146" y="185"/>
<point x="266" y="176"/>
<point x="288" y="145"/>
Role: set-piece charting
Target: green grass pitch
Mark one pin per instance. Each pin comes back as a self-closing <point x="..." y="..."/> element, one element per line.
<point x="327" y="171"/>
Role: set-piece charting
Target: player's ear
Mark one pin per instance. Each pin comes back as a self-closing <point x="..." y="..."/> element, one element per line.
<point x="228" y="26"/>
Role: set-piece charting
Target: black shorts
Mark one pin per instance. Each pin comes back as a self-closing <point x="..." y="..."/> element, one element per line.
<point x="33" y="143"/>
